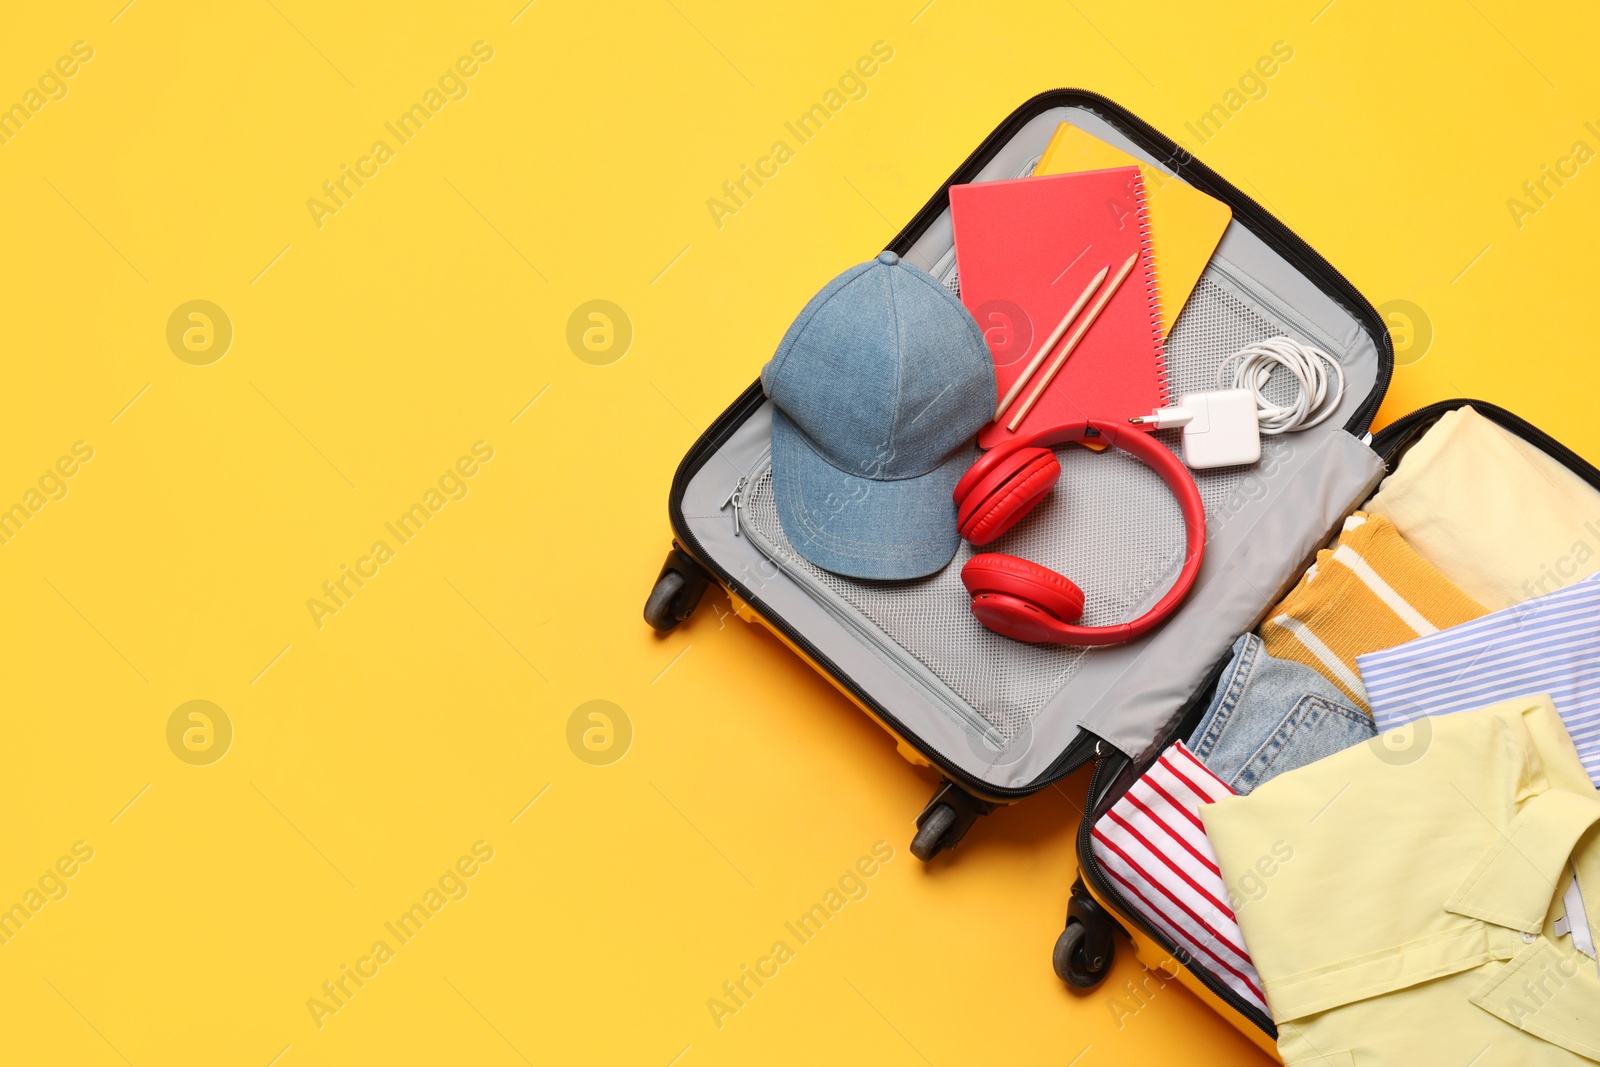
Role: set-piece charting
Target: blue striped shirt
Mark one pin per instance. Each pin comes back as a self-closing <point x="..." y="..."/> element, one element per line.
<point x="1550" y="644"/>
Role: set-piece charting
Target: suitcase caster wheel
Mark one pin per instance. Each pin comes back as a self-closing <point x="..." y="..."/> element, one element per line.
<point x="678" y="589"/>
<point x="658" y="608"/>
<point x="930" y="835"/>
<point x="1071" y="958"/>
<point x="945" y="820"/>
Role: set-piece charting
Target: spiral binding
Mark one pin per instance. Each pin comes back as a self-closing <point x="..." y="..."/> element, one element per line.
<point x="1147" y="253"/>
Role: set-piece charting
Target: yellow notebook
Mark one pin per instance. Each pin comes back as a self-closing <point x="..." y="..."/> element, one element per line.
<point x="1185" y="224"/>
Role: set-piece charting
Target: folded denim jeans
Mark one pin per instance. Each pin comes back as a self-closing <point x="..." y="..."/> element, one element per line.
<point x="1272" y="715"/>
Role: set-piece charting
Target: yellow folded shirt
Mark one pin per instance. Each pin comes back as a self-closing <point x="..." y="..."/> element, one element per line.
<point x="1497" y="516"/>
<point x="1420" y="904"/>
<point x="1370" y="591"/>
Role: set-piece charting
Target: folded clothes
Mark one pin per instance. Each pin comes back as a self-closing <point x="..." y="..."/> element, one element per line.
<point x="1416" y="912"/>
<point x="1272" y="715"/>
<point x="1153" y="848"/>
<point x="1370" y="591"/>
<point x="1499" y="517"/>
<point x="1550" y="644"/>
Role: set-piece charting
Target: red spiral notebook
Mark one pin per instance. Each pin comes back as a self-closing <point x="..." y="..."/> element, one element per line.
<point x="1025" y="250"/>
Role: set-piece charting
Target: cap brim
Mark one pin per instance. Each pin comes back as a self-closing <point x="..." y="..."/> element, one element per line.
<point x="862" y="527"/>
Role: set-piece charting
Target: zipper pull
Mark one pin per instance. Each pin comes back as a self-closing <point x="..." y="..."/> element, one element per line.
<point x="736" y="498"/>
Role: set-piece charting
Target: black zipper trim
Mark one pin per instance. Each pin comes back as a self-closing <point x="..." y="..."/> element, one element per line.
<point x="1245" y="209"/>
<point x="1251" y="214"/>
<point x="1401" y="430"/>
<point x="1387" y="443"/>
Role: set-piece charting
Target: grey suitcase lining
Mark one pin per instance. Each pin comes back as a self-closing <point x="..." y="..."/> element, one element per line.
<point x="1003" y="711"/>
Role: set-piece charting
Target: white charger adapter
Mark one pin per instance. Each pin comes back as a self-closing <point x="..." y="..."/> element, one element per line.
<point x="1220" y="428"/>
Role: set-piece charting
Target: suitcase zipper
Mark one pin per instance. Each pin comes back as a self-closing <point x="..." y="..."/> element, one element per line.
<point x="736" y="500"/>
<point x="1077" y="752"/>
<point x="1389" y="439"/>
<point x="914" y="671"/>
<point x="1286" y="315"/>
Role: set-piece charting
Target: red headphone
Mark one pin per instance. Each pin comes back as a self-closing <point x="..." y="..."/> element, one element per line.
<point x="1030" y="602"/>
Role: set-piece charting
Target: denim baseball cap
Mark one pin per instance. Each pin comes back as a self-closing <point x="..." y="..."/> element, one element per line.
<point x="879" y="387"/>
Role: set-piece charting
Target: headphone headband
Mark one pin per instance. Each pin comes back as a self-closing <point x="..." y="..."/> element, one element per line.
<point x="1142" y="446"/>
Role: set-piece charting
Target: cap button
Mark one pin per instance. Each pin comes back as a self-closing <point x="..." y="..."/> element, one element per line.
<point x="888" y="257"/>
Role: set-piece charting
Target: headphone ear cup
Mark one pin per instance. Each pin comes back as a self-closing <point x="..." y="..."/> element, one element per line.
<point x="1005" y="495"/>
<point x="1011" y="581"/>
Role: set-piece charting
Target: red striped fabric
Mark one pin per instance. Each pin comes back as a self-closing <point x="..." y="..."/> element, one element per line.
<point x="1153" y="848"/>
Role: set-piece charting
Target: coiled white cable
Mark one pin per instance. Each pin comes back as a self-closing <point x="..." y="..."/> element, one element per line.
<point x="1320" y="390"/>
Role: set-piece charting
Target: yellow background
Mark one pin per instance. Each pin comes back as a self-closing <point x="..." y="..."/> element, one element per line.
<point x="425" y="315"/>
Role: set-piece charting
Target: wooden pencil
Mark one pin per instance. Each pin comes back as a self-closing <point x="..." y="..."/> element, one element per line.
<point x="1050" y="342"/>
<point x="1077" y="335"/>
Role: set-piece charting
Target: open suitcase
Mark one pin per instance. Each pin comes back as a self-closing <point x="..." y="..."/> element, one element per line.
<point x="999" y="719"/>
